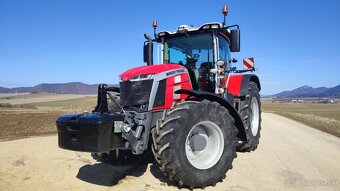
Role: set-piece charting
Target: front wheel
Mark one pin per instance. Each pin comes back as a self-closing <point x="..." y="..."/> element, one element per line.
<point x="195" y="143"/>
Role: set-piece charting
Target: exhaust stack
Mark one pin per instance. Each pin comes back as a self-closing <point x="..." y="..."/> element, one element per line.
<point x="148" y="50"/>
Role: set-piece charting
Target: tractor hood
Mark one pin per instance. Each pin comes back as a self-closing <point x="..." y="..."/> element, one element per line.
<point x="152" y="69"/>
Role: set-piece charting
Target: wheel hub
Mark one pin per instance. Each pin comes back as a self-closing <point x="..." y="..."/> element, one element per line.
<point x="197" y="142"/>
<point x="204" y="145"/>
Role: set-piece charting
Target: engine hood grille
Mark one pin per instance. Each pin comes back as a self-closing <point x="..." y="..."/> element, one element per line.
<point x="135" y="93"/>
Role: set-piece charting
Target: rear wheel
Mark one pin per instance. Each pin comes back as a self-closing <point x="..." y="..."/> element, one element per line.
<point x="251" y="115"/>
<point x="195" y="143"/>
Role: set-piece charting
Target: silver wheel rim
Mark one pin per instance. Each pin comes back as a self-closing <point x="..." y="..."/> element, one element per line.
<point x="206" y="156"/>
<point x="255" y="117"/>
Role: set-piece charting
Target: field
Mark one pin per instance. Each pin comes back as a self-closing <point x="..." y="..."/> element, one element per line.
<point x="26" y="115"/>
<point x="325" y="117"/>
<point x="27" y="98"/>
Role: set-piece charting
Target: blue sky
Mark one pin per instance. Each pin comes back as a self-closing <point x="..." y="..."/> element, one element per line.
<point x="294" y="42"/>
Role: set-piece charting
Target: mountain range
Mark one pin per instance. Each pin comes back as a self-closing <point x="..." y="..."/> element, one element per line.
<point x="308" y="91"/>
<point x="63" y="88"/>
<point x="81" y="88"/>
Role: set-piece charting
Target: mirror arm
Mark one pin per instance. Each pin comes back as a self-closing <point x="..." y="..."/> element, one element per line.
<point x="231" y="26"/>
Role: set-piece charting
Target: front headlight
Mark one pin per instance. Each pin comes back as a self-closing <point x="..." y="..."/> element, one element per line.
<point x="142" y="77"/>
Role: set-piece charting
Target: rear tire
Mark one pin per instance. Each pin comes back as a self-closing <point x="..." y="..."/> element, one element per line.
<point x="250" y="113"/>
<point x="185" y="125"/>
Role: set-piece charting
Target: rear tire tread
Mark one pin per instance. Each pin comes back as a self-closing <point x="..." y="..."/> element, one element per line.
<point x="252" y="142"/>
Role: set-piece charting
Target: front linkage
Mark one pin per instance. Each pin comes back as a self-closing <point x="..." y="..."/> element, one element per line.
<point x="103" y="130"/>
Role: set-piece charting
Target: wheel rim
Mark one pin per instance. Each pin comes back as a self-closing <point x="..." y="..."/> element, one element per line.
<point x="204" y="145"/>
<point x="255" y="116"/>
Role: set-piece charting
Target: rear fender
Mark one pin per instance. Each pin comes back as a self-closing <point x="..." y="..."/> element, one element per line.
<point x="238" y="84"/>
<point x="213" y="97"/>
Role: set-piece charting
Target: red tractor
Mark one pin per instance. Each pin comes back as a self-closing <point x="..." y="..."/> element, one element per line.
<point x="193" y="110"/>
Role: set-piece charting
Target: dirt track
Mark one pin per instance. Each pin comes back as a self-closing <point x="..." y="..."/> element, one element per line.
<point x="291" y="156"/>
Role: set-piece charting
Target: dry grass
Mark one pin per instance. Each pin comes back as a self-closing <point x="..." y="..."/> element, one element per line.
<point x="85" y="103"/>
<point x="325" y="117"/>
<point x="24" y="98"/>
<point x="8" y="95"/>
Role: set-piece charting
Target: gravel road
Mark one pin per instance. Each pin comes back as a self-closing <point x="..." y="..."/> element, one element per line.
<point x="291" y="156"/>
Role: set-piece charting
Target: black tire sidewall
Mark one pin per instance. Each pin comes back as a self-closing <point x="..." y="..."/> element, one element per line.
<point x="253" y="141"/>
<point x="187" y="122"/>
<point x="253" y="92"/>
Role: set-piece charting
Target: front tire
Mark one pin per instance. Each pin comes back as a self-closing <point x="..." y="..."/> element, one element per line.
<point x="195" y="143"/>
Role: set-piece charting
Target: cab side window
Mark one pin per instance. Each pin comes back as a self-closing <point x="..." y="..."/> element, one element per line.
<point x="223" y="49"/>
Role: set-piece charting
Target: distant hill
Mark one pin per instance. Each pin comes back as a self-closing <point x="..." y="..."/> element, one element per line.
<point x="308" y="91"/>
<point x="5" y="90"/>
<point x="66" y="88"/>
<point x="333" y="92"/>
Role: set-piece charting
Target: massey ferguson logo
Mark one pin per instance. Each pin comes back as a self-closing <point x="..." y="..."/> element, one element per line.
<point x="174" y="72"/>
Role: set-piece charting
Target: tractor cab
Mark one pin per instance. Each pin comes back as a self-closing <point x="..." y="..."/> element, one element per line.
<point x="199" y="50"/>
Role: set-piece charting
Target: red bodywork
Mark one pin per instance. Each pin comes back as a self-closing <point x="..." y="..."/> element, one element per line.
<point x="152" y="69"/>
<point x="234" y="84"/>
<point x="173" y="83"/>
<point x="180" y="81"/>
<point x="171" y="86"/>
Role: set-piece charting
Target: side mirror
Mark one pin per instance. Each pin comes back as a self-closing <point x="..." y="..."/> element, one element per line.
<point x="220" y="63"/>
<point x="148" y="53"/>
<point x="235" y="41"/>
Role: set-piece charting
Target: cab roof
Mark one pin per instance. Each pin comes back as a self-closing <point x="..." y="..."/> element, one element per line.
<point x="185" y="29"/>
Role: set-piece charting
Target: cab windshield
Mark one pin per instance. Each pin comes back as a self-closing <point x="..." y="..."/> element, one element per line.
<point x="184" y="50"/>
<point x="195" y="52"/>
